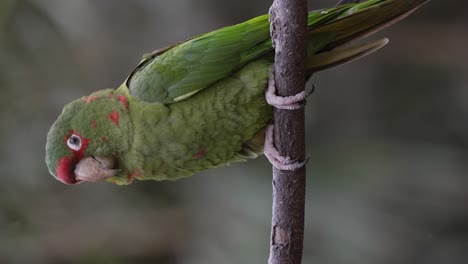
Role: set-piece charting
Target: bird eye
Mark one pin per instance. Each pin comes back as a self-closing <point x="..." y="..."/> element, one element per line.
<point x="74" y="142"/>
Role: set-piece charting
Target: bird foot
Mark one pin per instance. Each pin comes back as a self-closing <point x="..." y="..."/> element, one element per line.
<point x="293" y="102"/>
<point x="275" y="158"/>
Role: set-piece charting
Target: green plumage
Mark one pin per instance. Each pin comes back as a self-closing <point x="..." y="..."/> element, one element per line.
<point x="200" y="104"/>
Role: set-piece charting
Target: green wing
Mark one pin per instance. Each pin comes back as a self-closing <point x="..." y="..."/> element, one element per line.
<point x="175" y="73"/>
<point x="195" y="64"/>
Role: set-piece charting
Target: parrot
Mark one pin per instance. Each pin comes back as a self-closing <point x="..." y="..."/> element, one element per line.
<point x="204" y="102"/>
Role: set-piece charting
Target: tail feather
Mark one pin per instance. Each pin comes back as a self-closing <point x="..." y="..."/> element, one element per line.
<point x="364" y="19"/>
<point x="350" y="24"/>
<point x="340" y="56"/>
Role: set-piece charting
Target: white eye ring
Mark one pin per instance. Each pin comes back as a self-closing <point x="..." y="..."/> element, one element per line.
<point x="74" y="142"/>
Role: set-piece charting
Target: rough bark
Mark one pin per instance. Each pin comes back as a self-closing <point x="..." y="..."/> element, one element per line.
<point x="289" y="30"/>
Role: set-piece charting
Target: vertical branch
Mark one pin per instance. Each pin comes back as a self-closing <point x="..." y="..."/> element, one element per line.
<point x="289" y="35"/>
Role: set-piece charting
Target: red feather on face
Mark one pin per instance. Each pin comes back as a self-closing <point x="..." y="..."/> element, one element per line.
<point x="66" y="165"/>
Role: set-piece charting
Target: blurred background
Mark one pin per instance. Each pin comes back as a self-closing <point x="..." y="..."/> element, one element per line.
<point x="387" y="138"/>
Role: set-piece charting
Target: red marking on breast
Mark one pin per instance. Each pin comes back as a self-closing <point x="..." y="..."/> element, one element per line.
<point x="114" y="117"/>
<point x="104" y="139"/>
<point x="89" y="99"/>
<point x="135" y="174"/>
<point x="200" y="154"/>
<point x="93" y="123"/>
<point x="123" y="100"/>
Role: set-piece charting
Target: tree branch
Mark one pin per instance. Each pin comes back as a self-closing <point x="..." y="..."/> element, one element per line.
<point x="289" y="34"/>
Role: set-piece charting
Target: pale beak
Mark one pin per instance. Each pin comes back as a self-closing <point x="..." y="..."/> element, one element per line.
<point x="95" y="169"/>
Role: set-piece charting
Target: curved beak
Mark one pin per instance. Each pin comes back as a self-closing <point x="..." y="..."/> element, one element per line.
<point x="93" y="169"/>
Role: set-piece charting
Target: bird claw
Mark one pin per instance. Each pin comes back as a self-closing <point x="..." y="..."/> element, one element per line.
<point x="293" y="102"/>
<point x="275" y="158"/>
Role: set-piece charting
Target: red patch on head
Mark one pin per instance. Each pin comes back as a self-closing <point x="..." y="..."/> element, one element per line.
<point x="200" y="154"/>
<point x="66" y="170"/>
<point x="104" y="139"/>
<point x="66" y="165"/>
<point x="79" y="154"/>
<point x="93" y="123"/>
<point x="114" y="117"/>
<point x="89" y="99"/>
<point x="123" y="100"/>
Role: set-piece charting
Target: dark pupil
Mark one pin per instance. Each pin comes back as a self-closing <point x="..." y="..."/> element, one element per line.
<point x="74" y="140"/>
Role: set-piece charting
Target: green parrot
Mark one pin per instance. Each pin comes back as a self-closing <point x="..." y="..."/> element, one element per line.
<point x="201" y="103"/>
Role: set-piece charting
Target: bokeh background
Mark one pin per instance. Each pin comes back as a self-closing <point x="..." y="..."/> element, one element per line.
<point x="387" y="137"/>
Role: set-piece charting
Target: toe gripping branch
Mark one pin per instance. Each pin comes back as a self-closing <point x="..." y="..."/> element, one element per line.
<point x="293" y="102"/>
<point x="275" y="158"/>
